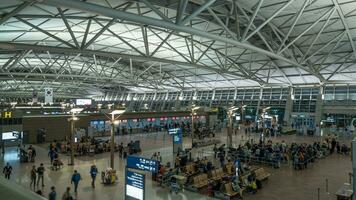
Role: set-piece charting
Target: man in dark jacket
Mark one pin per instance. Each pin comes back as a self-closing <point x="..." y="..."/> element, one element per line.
<point x="75" y="179"/>
<point x="93" y="173"/>
<point x="7" y="171"/>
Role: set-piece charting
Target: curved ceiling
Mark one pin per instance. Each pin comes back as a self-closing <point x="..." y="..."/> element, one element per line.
<point x="83" y="48"/>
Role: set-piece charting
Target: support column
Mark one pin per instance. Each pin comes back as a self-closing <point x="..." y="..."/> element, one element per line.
<point x="289" y="108"/>
<point x="353" y="146"/>
<point x="72" y="141"/>
<point x="229" y="130"/>
<point x="319" y="107"/>
<point x="259" y="104"/>
<point x="112" y="142"/>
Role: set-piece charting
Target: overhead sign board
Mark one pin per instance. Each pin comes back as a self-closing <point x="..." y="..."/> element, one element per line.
<point x="173" y="131"/>
<point x="134" y="186"/>
<point x="83" y="102"/>
<point x="6" y="114"/>
<point x="142" y="164"/>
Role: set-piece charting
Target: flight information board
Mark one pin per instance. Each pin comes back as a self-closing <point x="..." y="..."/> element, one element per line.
<point x="134" y="186"/>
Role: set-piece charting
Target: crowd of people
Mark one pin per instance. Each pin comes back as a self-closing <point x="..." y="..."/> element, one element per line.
<point x="27" y="155"/>
<point x="36" y="174"/>
<point x="281" y="152"/>
<point x="90" y="146"/>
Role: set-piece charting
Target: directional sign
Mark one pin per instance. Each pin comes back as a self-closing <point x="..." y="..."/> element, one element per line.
<point x="135" y="186"/>
<point x="142" y="164"/>
<point x="173" y="131"/>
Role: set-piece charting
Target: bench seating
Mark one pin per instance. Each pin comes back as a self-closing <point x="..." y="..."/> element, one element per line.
<point x="216" y="174"/>
<point x="229" y="191"/>
<point x="229" y="169"/>
<point x="200" y="181"/>
<point x="261" y="174"/>
<point x="189" y="169"/>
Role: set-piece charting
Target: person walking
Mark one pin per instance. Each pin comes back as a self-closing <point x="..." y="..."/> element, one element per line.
<point x="93" y="173"/>
<point x="40" y="173"/>
<point x="33" y="177"/>
<point x="67" y="195"/>
<point x="53" y="194"/>
<point x="7" y="171"/>
<point x="75" y="179"/>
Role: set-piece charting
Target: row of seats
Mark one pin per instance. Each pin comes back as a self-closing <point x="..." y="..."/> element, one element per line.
<point x="200" y="181"/>
<point x="229" y="169"/>
<point x="261" y="174"/>
<point x="217" y="174"/>
<point x="229" y="191"/>
<point x="189" y="169"/>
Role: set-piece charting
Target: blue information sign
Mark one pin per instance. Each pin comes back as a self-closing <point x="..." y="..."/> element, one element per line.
<point x="142" y="164"/>
<point x="177" y="138"/>
<point x="134" y="186"/>
<point x="173" y="131"/>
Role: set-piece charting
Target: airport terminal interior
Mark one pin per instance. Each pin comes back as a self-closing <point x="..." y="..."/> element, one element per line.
<point x="177" y="99"/>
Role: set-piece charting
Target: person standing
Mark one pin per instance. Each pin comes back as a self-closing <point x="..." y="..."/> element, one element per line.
<point x="33" y="177"/>
<point x="93" y="173"/>
<point x="67" y="195"/>
<point x="159" y="157"/>
<point x="121" y="149"/>
<point x="40" y="172"/>
<point x="75" y="179"/>
<point x="7" y="171"/>
<point x="53" y="194"/>
<point x="52" y="154"/>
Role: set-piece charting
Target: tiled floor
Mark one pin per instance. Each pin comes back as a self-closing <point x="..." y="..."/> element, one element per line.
<point x="284" y="183"/>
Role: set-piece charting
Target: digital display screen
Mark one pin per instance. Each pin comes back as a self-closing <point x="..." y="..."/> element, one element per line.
<point x="8" y="136"/>
<point x="135" y="186"/>
<point x="83" y="102"/>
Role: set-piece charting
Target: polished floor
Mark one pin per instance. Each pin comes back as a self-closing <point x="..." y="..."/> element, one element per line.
<point x="284" y="183"/>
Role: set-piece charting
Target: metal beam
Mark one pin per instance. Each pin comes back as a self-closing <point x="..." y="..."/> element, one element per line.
<point x="197" y="12"/>
<point x="221" y="23"/>
<point x="99" y="33"/>
<point x="342" y="17"/>
<point x="86" y="34"/>
<point x="93" y="8"/>
<point x="337" y="37"/>
<point x="15" y="11"/>
<point x="41" y="48"/>
<point x="180" y="10"/>
<point x="306" y="30"/>
<point x="251" y="20"/>
<point x="268" y="20"/>
<point x="300" y="12"/>
<point x="45" y="32"/>
<point x="318" y="35"/>
<point x="68" y="27"/>
<point x="155" y="10"/>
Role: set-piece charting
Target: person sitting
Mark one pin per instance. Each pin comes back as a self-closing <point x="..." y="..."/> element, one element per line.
<point x="344" y="149"/>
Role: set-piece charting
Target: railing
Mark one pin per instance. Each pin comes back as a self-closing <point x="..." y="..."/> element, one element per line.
<point x="13" y="191"/>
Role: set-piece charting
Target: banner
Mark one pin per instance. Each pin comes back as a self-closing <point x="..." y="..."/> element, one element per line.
<point x="48" y="95"/>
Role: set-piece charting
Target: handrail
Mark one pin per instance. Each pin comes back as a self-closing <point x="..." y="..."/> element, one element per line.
<point x="13" y="191"/>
